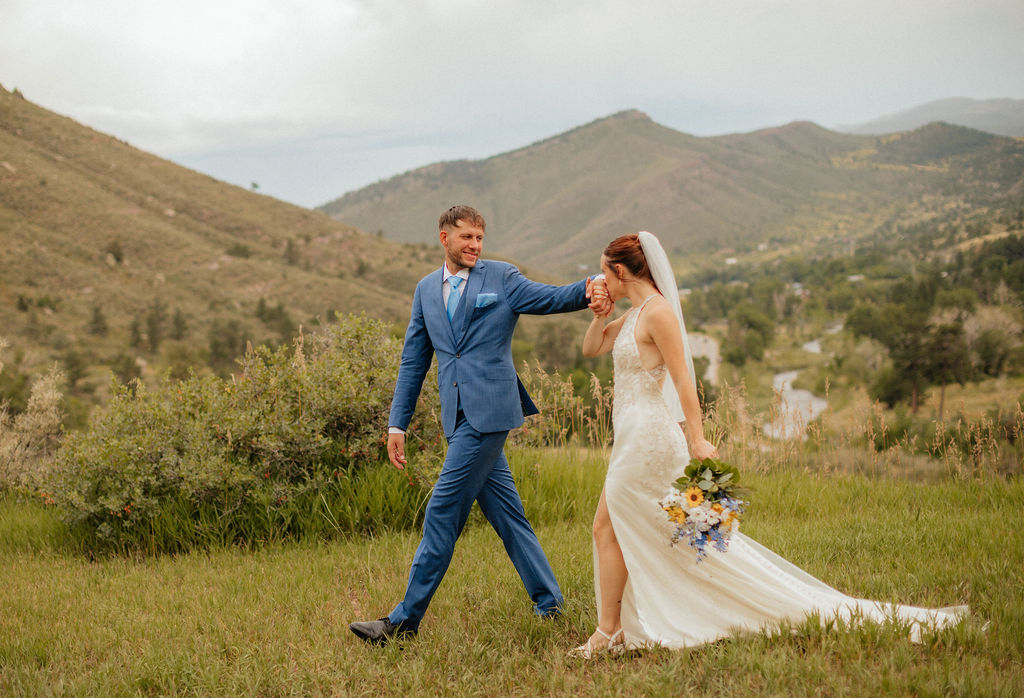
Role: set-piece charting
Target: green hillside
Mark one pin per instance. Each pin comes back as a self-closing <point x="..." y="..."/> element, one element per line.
<point x="556" y="203"/>
<point x="111" y="257"/>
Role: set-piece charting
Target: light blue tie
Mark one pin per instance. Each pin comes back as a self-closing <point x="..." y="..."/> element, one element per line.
<point x="453" y="295"/>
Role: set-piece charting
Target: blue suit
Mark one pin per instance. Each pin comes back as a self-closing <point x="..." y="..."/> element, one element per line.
<point x="481" y="400"/>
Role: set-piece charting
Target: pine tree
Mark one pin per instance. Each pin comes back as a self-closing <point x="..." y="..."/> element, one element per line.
<point x="155" y="319"/>
<point x="98" y="322"/>
<point x="179" y="325"/>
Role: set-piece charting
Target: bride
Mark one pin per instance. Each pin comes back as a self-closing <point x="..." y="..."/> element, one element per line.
<point x="648" y="592"/>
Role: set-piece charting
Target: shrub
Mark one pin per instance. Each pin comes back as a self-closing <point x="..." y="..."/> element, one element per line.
<point x="239" y="250"/>
<point x="115" y="251"/>
<point x="275" y="451"/>
<point x="97" y="322"/>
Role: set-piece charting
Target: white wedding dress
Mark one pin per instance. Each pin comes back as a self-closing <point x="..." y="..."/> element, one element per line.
<point x="670" y="600"/>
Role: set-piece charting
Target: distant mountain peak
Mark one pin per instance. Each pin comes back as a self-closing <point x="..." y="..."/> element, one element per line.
<point x="552" y="203"/>
<point x="1003" y="117"/>
<point x="793" y="127"/>
<point x="630" y="114"/>
<point x="626" y="116"/>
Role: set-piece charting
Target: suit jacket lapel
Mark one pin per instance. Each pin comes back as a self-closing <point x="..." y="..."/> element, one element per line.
<point x="466" y="304"/>
<point x="434" y="304"/>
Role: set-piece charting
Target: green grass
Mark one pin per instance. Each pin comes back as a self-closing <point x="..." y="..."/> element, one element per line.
<point x="273" y="621"/>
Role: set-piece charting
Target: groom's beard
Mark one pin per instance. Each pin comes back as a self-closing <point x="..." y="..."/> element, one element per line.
<point x="463" y="260"/>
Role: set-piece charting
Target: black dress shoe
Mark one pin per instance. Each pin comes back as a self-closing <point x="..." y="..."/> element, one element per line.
<point x="377" y="632"/>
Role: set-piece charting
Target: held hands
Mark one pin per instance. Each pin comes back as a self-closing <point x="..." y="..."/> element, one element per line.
<point x="396" y="450"/>
<point x="600" y="302"/>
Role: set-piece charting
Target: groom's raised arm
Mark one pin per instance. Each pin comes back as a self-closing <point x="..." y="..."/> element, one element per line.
<point x="535" y="298"/>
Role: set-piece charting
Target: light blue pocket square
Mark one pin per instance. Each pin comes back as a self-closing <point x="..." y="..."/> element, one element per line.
<point x="485" y="299"/>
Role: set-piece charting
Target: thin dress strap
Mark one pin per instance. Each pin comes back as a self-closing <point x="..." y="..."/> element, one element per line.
<point x="641" y="306"/>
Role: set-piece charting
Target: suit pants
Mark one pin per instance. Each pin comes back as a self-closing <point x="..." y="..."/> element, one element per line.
<point x="475" y="469"/>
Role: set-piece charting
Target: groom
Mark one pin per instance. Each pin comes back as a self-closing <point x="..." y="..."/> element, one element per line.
<point x="465" y="313"/>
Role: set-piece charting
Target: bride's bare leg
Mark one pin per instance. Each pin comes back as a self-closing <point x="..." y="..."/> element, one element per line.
<point x="612" y="574"/>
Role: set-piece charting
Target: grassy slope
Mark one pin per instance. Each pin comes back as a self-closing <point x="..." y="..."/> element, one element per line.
<point x="273" y="622"/>
<point x="556" y="203"/>
<point x="67" y="192"/>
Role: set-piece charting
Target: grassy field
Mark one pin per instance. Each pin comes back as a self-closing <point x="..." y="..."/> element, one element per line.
<point x="273" y="621"/>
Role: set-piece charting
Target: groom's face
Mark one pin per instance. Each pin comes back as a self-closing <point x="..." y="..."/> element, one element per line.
<point x="462" y="245"/>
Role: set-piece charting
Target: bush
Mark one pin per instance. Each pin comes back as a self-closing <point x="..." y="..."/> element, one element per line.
<point x="272" y="452"/>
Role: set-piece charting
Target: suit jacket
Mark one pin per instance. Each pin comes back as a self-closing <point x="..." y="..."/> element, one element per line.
<point x="474" y="350"/>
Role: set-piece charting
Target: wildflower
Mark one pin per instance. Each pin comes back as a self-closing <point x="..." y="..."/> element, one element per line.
<point x="676" y="514"/>
<point x="694" y="496"/>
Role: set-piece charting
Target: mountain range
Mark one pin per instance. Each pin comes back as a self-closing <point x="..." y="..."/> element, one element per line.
<point x="98" y="237"/>
<point x="555" y="204"/>
<point x="1003" y="117"/>
<point x="105" y="248"/>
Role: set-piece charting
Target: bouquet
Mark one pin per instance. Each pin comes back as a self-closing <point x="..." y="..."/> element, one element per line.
<point x="705" y="505"/>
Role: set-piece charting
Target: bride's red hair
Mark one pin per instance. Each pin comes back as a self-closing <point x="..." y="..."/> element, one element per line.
<point x="626" y="250"/>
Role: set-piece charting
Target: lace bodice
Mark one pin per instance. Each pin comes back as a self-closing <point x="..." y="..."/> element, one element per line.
<point x="641" y="420"/>
<point x="634" y="384"/>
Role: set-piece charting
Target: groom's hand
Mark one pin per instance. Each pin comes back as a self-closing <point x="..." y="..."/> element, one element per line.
<point x="396" y="450"/>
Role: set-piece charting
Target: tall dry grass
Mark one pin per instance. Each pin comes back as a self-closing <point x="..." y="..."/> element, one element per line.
<point x="866" y="439"/>
<point x="29" y="440"/>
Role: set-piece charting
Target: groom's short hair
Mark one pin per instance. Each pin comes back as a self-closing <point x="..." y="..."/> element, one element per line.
<point x="450" y="218"/>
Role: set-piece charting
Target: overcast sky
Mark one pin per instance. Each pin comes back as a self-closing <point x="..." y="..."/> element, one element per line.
<point x="312" y="99"/>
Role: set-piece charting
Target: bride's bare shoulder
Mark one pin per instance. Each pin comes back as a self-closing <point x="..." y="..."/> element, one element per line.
<point x="658" y="301"/>
<point x="657" y="308"/>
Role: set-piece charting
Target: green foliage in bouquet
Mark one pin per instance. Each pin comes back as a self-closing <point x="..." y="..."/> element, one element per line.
<point x="715" y="478"/>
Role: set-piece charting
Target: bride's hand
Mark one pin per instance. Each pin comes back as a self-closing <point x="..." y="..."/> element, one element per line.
<point x="702" y="448"/>
<point x="600" y="302"/>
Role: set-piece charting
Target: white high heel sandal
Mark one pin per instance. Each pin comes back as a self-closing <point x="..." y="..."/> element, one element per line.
<point x="613" y="648"/>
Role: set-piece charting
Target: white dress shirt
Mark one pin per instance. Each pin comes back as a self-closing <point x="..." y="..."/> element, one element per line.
<point x="446" y="288"/>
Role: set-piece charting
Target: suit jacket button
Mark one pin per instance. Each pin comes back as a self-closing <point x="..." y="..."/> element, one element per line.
<point x="458" y="356"/>
<point x="454" y="384"/>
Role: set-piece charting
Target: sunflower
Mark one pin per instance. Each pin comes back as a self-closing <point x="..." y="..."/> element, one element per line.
<point x="677" y="515"/>
<point x="694" y="496"/>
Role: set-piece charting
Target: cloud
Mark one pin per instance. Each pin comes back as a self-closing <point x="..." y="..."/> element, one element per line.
<point x="380" y="84"/>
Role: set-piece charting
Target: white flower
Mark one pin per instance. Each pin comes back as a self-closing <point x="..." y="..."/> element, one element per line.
<point x="673" y="498"/>
<point x="702" y="517"/>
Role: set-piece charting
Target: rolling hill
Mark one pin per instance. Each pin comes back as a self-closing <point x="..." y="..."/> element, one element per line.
<point x="103" y="245"/>
<point x="556" y="203"/>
